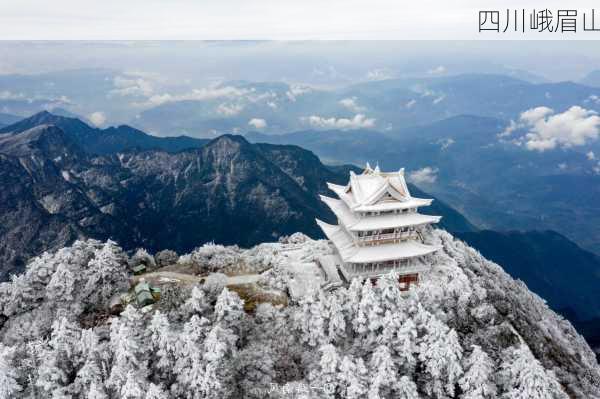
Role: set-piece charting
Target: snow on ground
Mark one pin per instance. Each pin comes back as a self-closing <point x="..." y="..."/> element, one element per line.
<point x="300" y="261"/>
<point x="243" y="279"/>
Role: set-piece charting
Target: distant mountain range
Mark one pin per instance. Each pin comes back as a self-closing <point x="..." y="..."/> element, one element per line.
<point x="228" y="107"/>
<point x="554" y="267"/>
<point x="228" y="191"/>
<point x="8" y="119"/>
<point x="495" y="184"/>
<point x="391" y="104"/>
<point x="592" y="79"/>
<point x="104" y="141"/>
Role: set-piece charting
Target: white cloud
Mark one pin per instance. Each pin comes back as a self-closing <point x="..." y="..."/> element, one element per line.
<point x="426" y="175"/>
<point x="410" y="104"/>
<point x="229" y="94"/>
<point x="352" y="104"/>
<point x="327" y="72"/>
<point x="428" y="93"/>
<point x="439" y="70"/>
<point x="512" y="126"/>
<point x="255" y="97"/>
<point x="547" y="130"/>
<point x="379" y="74"/>
<point x="593" y="98"/>
<point x="359" y="121"/>
<point x="7" y="95"/>
<point x="424" y="92"/>
<point x="258" y="123"/>
<point x="229" y="109"/>
<point x="133" y="86"/>
<point x="562" y="166"/>
<point x="296" y="91"/>
<point x="207" y="93"/>
<point x="533" y="115"/>
<point x="592" y="157"/>
<point x="445" y="143"/>
<point x="439" y="99"/>
<point x="97" y="118"/>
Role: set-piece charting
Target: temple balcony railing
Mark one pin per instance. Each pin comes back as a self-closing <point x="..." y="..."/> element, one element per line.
<point x="377" y="239"/>
<point x="351" y="270"/>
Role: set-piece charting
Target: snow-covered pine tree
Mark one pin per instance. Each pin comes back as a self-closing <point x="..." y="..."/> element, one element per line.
<point x="337" y="322"/>
<point x="384" y="374"/>
<point x="369" y="311"/>
<point x="155" y="392"/>
<point x="219" y="350"/>
<point x="404" y="345"/>
<point x="210" y="361"/>
<point x="190" y="364"/>
<point x="528" y="379"/>
<point x="93" y="363"/>
<point x="352" y="300"/>
<point x="60" y="358"/>
<point x="406" y="389"/>
<point x="325" y="378"/>
<point x="96" y="391"/>
<point x="312" y="322"/>
<point x="440" y="353"/>
<point x="133" y="388"/>
<point x="9" y="385"/>
<point x="390" y="322"/>
<point x="19" y="295"/>
<point x="255" y="372"/>
<point x="107" y="273"/>
<point x="61" y="287"/>
<point x="272" y="329"/>
<point x="163" y="354"/>
<point x="229" y="311"/>
<point x="391" y="298"/>
<point x="353" y="378"/>
<point x="142" y="257"/>
<point x="197" y="303"/>
<point x="477" y="382"/>
<point x="129" y="354"/>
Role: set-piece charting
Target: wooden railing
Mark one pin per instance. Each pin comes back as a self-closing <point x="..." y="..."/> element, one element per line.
<point x="378" y="269"/>
<point x="385" y="238"/>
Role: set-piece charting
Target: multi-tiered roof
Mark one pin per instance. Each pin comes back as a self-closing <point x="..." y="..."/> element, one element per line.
<point x="379" y="225"/>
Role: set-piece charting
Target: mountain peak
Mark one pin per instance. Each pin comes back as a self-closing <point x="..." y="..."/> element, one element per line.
<point x="103" y="141"/>
<point x="231" y="149"/>
<point x="45" y="138"/>
<point x="43" y="113"/>
<point x="47" y="118"/>
<point x="228" y="145"/>
<point x="230" y="139"/>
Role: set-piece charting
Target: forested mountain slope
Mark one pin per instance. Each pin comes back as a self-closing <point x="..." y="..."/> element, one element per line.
<point x="467" y="331"/>
<point x="228" y="191"/>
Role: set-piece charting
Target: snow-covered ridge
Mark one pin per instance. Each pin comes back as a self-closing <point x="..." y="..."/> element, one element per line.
<point x="467" y="331"/>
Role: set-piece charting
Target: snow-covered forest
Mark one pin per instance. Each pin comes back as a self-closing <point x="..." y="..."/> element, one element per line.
<point x="467" y="331"/>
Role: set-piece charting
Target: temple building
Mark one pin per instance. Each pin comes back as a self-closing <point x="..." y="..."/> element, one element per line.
<point x="379" y="228"/>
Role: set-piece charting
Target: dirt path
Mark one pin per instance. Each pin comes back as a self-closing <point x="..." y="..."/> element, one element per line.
<point x="165" y="277"/>
<point x="168" y="277"/>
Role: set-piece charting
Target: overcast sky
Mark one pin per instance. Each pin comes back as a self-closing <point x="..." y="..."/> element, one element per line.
<point x="260" y="19"/>
<point x="316" y="62"/>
